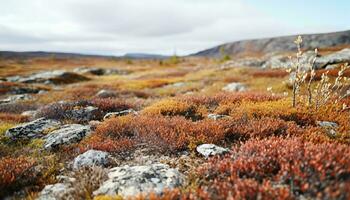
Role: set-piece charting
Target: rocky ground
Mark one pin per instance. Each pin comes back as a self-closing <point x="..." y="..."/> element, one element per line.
<point x="179" y="128"/>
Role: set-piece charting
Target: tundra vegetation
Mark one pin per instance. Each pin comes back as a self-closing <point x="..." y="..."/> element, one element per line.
<point x="288" y="132"/>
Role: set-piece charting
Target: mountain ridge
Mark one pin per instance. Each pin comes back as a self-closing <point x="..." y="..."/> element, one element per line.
<point x="281" y="43"/>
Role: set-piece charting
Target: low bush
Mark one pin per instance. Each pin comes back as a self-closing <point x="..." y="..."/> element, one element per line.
<point x="275" y="109"/>
<point x="18" y="107"/>
<point x="262" y="128"/>
<point x="166" y="134"/>
<point x="15" y="173"/>
<point x="270" y="73"/>
<point x="319" y="171"/>
<point x="14" y="118"/>
<point x="172" y="107"/>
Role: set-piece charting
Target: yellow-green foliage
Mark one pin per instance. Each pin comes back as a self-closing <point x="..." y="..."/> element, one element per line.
<point x="107" y="197"/>
<point x="3" y="128"/>
<point x="276" y="84"/>
<point x="276" y="109"/>
<point x="141" y="84"/>
<point x="36" y="143"/>
<point x="172" y="107"/>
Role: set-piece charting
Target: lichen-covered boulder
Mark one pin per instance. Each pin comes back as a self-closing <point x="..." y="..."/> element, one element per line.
<point x="129" y="181"/>
<point x="33" y="129"/>
<point x="235" y="87"/>
<point x="216" y="116"/>
<point x="14" y="98"/>
<point x="91" y="158"/>
<point x="208" y="150"/>
<point x="67" y="134"/>
<point x="53" y="192"/>
<point x="120" y="113"/>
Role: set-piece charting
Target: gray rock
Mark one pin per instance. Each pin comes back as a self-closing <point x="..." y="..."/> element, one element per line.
<point x="100" y="71"/>
<point x="129" y="181"/>
<point x="90" y="70"/>
<point x="243" y="62"/>
<point x="33" y="129"/>
<point x="216" y="116"/>
<point x="208" y="150"/>
<point x="342" y="56"/>
<point x="282" y="61"/>
<point x="234" y="87"/>
<point x="91" y="158"/>
<point x="330" y="127"/>
<point x="48" y="77"/>
<point x="84" y="113"/>
<point x="14" y="98"/>
<point x="29" y="113"/>
<point x="106" y="93"/>
<point x="53" y="192"/>
<point x="67" y="134"/>
<point x="121" y="113"/>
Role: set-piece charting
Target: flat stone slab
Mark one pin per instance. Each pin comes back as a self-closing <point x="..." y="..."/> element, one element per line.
<point x="129" y="181"/>
<point x="67" y="134"/>
<point x="91" y="158"/>
<point x="235" y="87"/>
<point x="208" y="150"/>
<point x="33" y="129"/>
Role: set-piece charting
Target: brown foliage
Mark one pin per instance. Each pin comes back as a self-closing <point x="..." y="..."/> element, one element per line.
<point x="313" y="170"/>
<point x="7" y="117"/>
<point x="15" y="172"/>
<point x="270" y="73"/>
<point x="159" y="132"/>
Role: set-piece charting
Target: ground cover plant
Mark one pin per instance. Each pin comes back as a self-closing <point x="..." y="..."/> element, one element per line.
<point x="284" y="140"/>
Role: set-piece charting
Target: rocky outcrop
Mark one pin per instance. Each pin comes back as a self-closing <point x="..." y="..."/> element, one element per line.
<point x="330" y="127"/>
<point x="120" y="113"/>
<point x="50" y="77"/>
<point x="99" y="71"/>
<point x="53" y="192"/>
<point x="208" y="150"/>
<point x="342" y="56"/>
<point x="128" y="181"/>
<point x="216" y="116"/>
<point x="275" y="44"/>
<point x="91" y="158"/>
<point x="14" y="98"/>
<point x="234" y="87"/>
<point x="106" y="93"/>
<point x="83" y="113"/>
<point x="34" y="129"/>
<point x="67" y="134"/>
<point x="244" y="62"/>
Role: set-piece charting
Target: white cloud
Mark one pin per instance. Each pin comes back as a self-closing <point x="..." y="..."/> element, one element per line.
<point x="120" y="26"/>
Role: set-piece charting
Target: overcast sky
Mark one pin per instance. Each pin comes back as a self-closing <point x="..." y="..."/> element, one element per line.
<point x="115" y="27"/>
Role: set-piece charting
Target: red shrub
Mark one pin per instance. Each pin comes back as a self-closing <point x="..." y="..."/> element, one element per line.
<point x="331" y="73"/>
<point x="111" y="105"/>
<point x="228" y="97"/>
<point x="312" y="170"/>
<point x="7" y="117"/>
<point x="14" y="172"/>
<point x="270" y="73"/>
<point x="162" y="133"/>
<point x="263" y="128"/>
<point x="18" y="108"/>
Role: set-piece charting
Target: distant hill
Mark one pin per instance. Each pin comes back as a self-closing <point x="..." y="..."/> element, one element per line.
<point x="144" y="56"/>
<point x="35" y="54"/>
<point x="285" y="43"/>
<point x="38" y="54"/>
